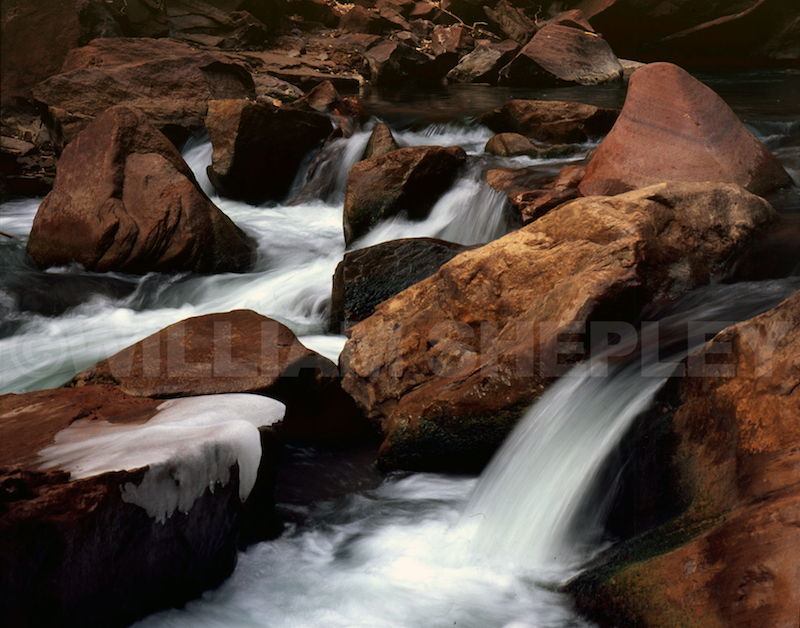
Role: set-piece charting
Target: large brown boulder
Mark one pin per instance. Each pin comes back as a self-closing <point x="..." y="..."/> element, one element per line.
<point x="125" y="200"/>
<point x="168" y="80"/>
<point x="551" y="121"/>
<point x="511" y="21"/>
<point x="483" y="64"/>
<point x="673" y="127"/>
<point x="258" y="148"/>
<point x="367" y="277"/>
<point x="558" y="55"/>
<point x="235" y="352"/>
<point x="447" y="366"/>
<point x="113" y="507"/>
<point x="408" y="180"/>
<point x="731" y="558"/>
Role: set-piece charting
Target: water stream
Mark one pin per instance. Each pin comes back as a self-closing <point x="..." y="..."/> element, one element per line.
<point x="361" y="548"/>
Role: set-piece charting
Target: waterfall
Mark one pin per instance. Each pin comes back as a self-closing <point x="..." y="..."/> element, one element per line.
<point x="525" y="507"/>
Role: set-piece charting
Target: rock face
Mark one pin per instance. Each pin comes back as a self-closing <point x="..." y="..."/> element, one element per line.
<point x="673" y="127"/>
<point x="235" y="352"/>
<point x="167" y="80"/>
<point x="95" y="529"/>
<point x="483" y="64"/>
<point x="732" y="556"/>
<point x="258" y="148"/>
<point x="407" y="180"/>
<point x="125" y="200"/>
<point x="559" y="54"/>
<point x="551" y="121"/>
<point x="367" y="277"/>
<point x="447" y="366"/>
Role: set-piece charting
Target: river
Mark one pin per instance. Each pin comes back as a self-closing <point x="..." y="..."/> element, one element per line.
<point x="362" y="548"/>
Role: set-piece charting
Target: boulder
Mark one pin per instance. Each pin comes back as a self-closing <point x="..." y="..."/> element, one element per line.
<point x="511" y="21"/>
<point x="393" y="63"/>
<point x="362" y="20"/>
<point x="98" y="19"/>
<point x="451" y="40"/>
<point x="381" y="141"/>
<point x="37" y="35"/>
<point x="673" y="127"/>
<point x="124" y="200"/>
<point x="235" y="352"/>
<point x="573" y="18"/>
<point x="551" y="121"/>
<point x="113" y="507"/>
<point x="258" y="147"/>
<point x="483" y="64"/>
<point x="167" y="80"/>
<point x="367" y="277"/>
<point x="514" y="145"/>
<point x="408" y="180"/>
<point x="558" y="55"/>
<point x="447" y="366"/>
<point x="730" y="557"/>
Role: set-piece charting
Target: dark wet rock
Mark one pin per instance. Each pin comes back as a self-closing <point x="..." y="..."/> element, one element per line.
<point x="514" y="145"/>
<point x="367" y="277"/>
<point x="408" y="180"/>
<point x="381" y="141"/>
<point x="125" y="200"/>
<point x="393" y="63"/>
<point x="98" y="19"/>
<point x="258" y="148"/>
<point x="511" y="21"/>
<point x="558" y="55"/>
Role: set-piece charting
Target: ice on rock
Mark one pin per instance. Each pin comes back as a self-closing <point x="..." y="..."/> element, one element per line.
<point x="189" y="445"/>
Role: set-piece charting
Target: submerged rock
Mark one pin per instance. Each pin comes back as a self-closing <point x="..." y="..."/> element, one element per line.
<point x="235" y="352"/>
<point x="113" y="507"/>
<point x="551" y="121"/>
<point x="673" y="127"/>
<point x="258" y="148"/>
<point x="408" y="180"/>
<point x="557" y="55"/>
<point x="367" y="277"/>
<point x="446" y="367"/>
<point x="125" y="200"/>
<point x="731" y="556"/>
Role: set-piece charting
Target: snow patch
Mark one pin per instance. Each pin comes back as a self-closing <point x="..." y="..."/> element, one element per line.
<point x="189" y="445"/>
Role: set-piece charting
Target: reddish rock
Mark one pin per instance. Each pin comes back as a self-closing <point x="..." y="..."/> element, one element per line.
<point x="362" y="20"/>
<point x="483" y="64"/>
<point x="235" y="352"/>
<point x="673" y="127"/>
<point x="37" y="35"/>
<point x="533" y="194"/>
<point x="731" y="558"/>
<point x="124" y="200"/>
<point x="393" y="63"/>
<point x="559" y="54"/>
<point x="85" y="550"/>
<point x="408" y="180"/>
<point x="574" y="19"/>
<point x="447" y="366"/>
<point x="367" y="277"/>
<point x="167" y="80"/>
<point x="258" y="148"/>
<point x="551" y="121"/>
<point x="452" y="40"/>
<point x="511" y="21"/>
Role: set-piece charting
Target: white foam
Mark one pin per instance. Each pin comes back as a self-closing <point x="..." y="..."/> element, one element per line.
<point x="189" y="445"/>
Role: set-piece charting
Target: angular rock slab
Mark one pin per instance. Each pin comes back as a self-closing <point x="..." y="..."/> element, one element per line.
<point x="407" y="180"/>
<point x="113" y="507"/>
<point x="258" y="148"/>
<point x="731" y="558"/>
<point x="557" y="54"/>
<point x="235" y="352"/>
<point x="446" y="367"/>
<point x="673" y="127"/>
<point x="125" y="200"/>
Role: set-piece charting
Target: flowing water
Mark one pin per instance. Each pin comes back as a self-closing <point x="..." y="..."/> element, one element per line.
<point x="361" y="548"/>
